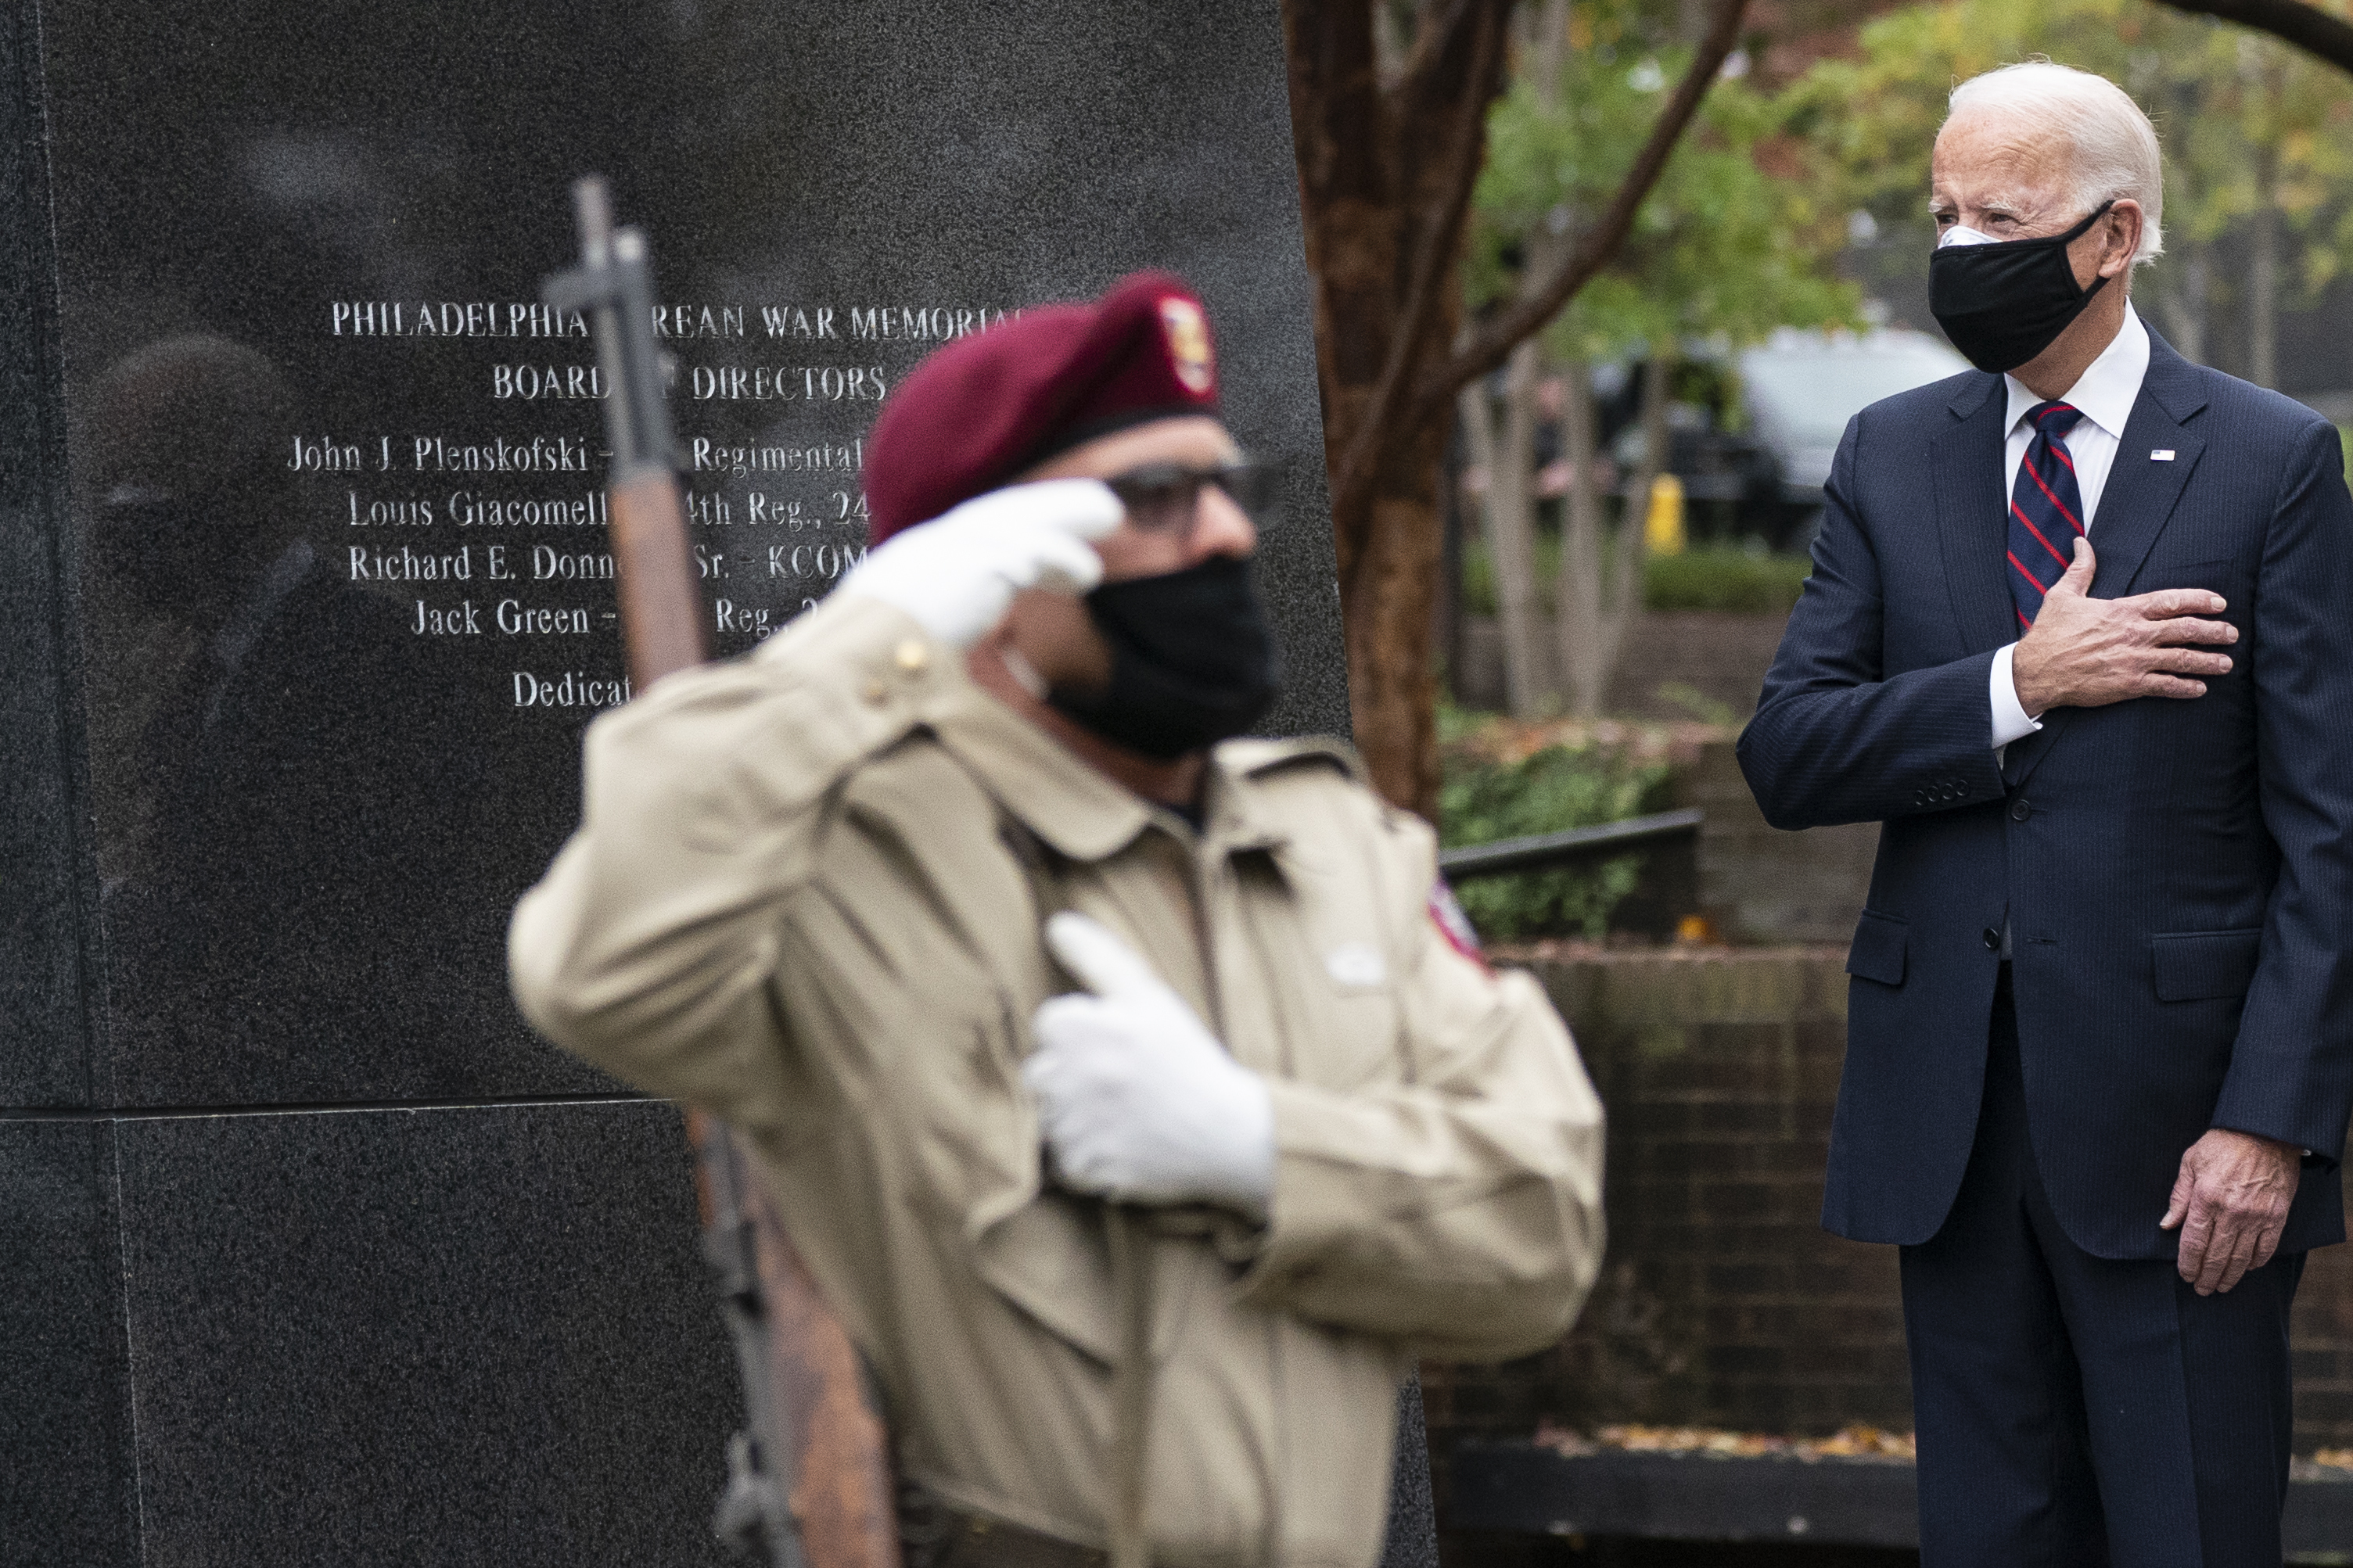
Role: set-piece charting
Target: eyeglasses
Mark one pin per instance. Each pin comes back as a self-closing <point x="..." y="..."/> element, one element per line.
<point x="1165" y="497"/>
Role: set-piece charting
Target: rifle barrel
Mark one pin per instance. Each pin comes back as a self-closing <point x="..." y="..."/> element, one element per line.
<point x="810" y="1481"/>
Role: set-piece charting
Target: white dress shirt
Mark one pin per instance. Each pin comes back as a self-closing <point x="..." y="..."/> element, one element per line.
<point x="2105" y="394"/>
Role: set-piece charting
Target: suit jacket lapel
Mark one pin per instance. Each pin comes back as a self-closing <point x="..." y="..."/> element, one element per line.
<point x="2135" y="506"/>
<point x="1967" y="459"/>
<point x="2139" y="499"/>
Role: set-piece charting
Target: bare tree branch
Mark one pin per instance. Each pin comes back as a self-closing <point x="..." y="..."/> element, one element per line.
<point x="1440" y="240"/>
<point x="1494" y="343"/>
<point x="2308" y="28"/>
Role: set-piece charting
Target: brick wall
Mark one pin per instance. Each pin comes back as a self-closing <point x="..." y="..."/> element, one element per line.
<point x="1722" y="1301"/>
<point x="2323" y="1337"/>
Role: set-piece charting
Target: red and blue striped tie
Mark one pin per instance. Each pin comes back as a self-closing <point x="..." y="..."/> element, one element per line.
<point x="2046" y="511"/>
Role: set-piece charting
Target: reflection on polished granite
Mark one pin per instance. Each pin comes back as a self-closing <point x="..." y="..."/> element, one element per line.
<point x="309" y="1250"/>
<point x="297" y="250"/>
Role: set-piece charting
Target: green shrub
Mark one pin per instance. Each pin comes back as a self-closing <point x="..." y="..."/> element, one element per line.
<point x="1732" y="582"/>
<point x="1479" y="574"/>
<point x="1728" y="580"/>
<point x="1557" y="788"/>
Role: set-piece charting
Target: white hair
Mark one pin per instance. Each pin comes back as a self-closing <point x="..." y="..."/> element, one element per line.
<point x="2112" y="151"/>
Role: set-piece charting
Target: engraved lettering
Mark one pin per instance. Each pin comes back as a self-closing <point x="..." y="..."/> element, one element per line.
<point x="549" y="565"/>
<point x="459" y="622"/>
<point x="573" y="688"/>
<point x="404" y="564"/>
<point x="324" y="455"/>
<point x="518" y="619"/>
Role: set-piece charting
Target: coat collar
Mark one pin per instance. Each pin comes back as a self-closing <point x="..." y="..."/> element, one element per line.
<point x="1966" y="458"/>
<point x="2105" y="394"/>
<point x="1084" y="815"/>
<point x="1034" y="778"/>
<point x="2171" y="381"/>
<point x="2142" y="487"/>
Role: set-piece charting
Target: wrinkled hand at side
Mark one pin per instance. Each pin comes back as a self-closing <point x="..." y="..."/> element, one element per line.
<point x="957" y="574"/>
<point x="2230" y="1202"/>
<point x="1137" y="1101"/>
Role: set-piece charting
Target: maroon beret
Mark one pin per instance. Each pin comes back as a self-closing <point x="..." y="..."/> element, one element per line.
<point x="989" y="406"/>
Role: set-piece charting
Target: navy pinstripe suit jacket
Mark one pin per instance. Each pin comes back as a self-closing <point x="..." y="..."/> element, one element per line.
<point x="2178" y="876"/>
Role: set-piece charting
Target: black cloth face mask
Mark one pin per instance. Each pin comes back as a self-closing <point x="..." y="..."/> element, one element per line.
<point x="2003" y="303"/>
<point x="1193" y="661"/>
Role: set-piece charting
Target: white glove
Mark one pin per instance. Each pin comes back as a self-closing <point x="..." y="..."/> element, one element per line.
<point x="957" y="573"/>
<point x="1139" y="1101"/>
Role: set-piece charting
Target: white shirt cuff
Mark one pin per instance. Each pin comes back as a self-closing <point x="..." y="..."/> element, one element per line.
<point x="2010" y="719"/>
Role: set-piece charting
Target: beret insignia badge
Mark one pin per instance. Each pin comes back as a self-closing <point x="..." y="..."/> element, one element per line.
<point x="1188" y="345"/>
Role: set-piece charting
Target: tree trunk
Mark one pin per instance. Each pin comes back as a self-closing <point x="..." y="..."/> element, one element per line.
<point x="2190" y="287"/>
<point x="2263" y="274"/>
<point x="1658" y="380"/>
<point x="1385" y="605"/>
<point x="1580" y="602"/>
<point x="1602" y="573"/>
<point x="1547" y="51"/>
<point x="1385" y="177"/>
<point x="1386" y="165"/>
<point x="2185" y="302"/>
<point x="1510" y="514"/>
<point x="1457" y="524"/>
<point x="1631" y="578"/>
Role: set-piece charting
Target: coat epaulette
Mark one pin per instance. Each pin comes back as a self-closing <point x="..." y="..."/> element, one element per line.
<point x="1259" y="758"/>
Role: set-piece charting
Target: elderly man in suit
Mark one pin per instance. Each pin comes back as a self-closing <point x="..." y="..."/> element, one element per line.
<point x="2080" y="633"/>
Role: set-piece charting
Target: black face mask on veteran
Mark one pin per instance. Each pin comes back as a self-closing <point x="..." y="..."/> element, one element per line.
<point x="1193" y="661"/>
<point x="2004" y="301"/>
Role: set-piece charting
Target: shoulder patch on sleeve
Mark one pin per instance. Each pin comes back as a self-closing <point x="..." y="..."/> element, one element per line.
<point x="1446" y="914"/>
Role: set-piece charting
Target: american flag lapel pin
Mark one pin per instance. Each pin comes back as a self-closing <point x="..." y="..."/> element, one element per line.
<point x="2162" y="455"/>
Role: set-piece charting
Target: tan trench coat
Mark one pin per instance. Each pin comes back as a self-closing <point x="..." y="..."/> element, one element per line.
<point x="807" y="895"/>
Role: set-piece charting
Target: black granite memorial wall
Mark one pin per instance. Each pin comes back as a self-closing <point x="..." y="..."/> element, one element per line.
<point x="309" y="1250"/>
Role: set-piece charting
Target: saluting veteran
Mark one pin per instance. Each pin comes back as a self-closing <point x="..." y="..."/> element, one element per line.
<point x="831" y="891"/>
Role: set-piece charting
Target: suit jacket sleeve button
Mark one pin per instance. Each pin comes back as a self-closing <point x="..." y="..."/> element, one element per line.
<point x="1992" y="940"/>
<point x="2020" y="810"/>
